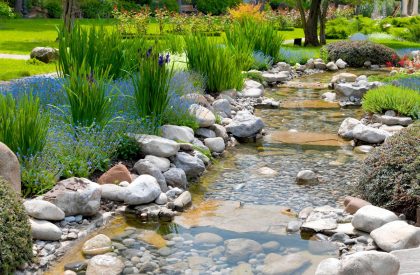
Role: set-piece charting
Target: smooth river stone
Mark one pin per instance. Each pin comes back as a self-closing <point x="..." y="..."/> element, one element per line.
<point x="99" y="244"/>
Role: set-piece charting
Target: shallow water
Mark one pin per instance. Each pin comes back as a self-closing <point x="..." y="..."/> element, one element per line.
<point x="301" y="134"/>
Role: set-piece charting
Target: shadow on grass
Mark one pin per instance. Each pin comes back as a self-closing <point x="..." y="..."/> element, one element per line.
<point x="24" y="47"/>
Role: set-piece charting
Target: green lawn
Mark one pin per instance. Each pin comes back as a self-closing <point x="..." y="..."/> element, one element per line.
<point x="12" y="69"/>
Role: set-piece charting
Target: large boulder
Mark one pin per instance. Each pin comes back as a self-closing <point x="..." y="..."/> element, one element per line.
<point x="9" y="167"/>
<point x="276" y="264"/>
<point x="115" y="175"/>
<point x="142" y="190"/>
<point x="43" y="210"/>
<point x="392" y="120"/>
<point x="183" y="201"/>
<point x="330" y="266"/>
<point x="396" y="235"/>
<point x="252" y="88"/>
<point x="276" y="77"/>
<point x="157" y="146"/>
<point x="369" y="134"/>
<point x="192" y="166"/>
<point x="331" y="66"/>
<point x="241" y="249"/>
<point x="100" y="244"/>
<point x="113" y="192"/>
<point x="44" y="230"/>
<point x="343" y="77"/>
<point x="370" y="217"/>
<point x="341" y="64"/>
<point x="354" y="92"/>
<point x="76" y="196"/>
<point x="145" y="167"/>
<point x="220" y="131"/>
<point x="244" y="124"/>
<point x="178" y="133"/>
<point x="105" y="264"/>
<point x="162" y="163"/>
<point x="370" y="263"/>
<point x="44" y="54"/>
<point x="352" y="204"/>
<point x="216" y="144"/>
<point x="347" y="126"/>
<point x="222" y="107"/>
<point x="204" y="116"/>
<point x="176" y="177"/>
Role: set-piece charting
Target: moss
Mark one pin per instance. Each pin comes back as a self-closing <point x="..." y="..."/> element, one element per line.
<point x="15" y="231"/>
<point x="390" y="175"/>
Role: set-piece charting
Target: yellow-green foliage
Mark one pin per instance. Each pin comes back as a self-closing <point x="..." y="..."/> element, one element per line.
<point x="15" y="231"/>
<point x="402" y="100"/>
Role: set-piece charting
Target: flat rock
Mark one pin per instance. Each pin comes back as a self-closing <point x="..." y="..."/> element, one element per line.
<point x="276" y="77"/>
<point x="370" y="217"/>
<point x="244" y="124"/>
<point x="241" y="249"/>
<point x="44" y="230"/>
<point x="178" y="133"/>
<point x="162" y="163"/>
<point x="392" y="120"/>
<point x="104" y="264"/>
<point x="396" y="235"/>
<point x="192" y="166"/>
<point x="207" y="238"/>
<point x="369" y="134"/>
<point x="43" y="210"/>
<point x="100" y="244"/>
<point x="370" y="263"/>
<point x="157" y="146"/>
<point x="142" y="190"/>
<point x="319" y="225"/>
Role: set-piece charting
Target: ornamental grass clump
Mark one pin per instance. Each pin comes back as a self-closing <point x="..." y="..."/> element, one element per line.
<point x="404" y="101"/>
<point x="15" y="231"/>
<point x="23" y="124"/>
<point x="218" y="63"/>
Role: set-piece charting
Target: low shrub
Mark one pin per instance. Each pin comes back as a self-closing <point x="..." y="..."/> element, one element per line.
<point x="54" y="7"/>
<point x="6" y="11"/>
<point x="413" y="33"/>
<point x="355" y="53"/>
<point x="23" y="124"/>
<point x="337" y="28"/>
<point x="390" y="174"/>
<point x="402" y="100"/>
<point x="170" y="5"/>
<point x="293" y="55"/>
<point x="15" y="231"/>
<point x="96" y="8"/>
<point x="215" y="7"/>
<point x="364" y="25"/>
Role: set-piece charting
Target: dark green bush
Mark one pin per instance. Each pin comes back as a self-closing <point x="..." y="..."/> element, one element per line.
<point x="15" y="231"/>
<point x="338" y="28"/>
<point x="171" y="5"/>
<point x="54" y="8"/>
<point x="6" y="11"/>
<point x="355" y="53"/>
<point x="216" y="7"/>
<point x="96" y="8"/>
<point x="390" y="175"/>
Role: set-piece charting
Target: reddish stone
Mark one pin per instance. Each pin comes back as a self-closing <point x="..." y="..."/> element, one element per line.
<point x="353" y="204"/>
<point x="115" y="175"/>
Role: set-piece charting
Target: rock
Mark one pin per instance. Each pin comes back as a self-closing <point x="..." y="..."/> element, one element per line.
<point x="220" y="131"/>
<point x="293" y="226"/>
<point x="207" y="238"/>
<point x="363" y="149"/>
<point x="242" y="269"/>
<point x="204" y="116"/>
<point x="320" y="65"/>
<point x="43" y="210"/>
<point x="331" y="66"/>
<point x="329" y="266"/>
<point x="276" y="77"/>
<point x="192" y="166"/>
<point x="369" y="134"/>
<point x="343" y="77"/>
<point x="203" y="157"/>
<point x="145" y="167"/>
<point x="76" y="196"/>
<point x="142" y="190"/>
<point x="392" y="120"/>
<point x="241" y="249"/>
<point x="44" y="54"/>
<point x="319" y="225"/>
<point x="44" y="230"/>
<point x="266" y="171"/>
<point x="178" y="133"/>
<point x="10" y="167"/>
<point x="347" y="126"/>
<point x="306" y="177"/>
<point x="329" y="96"/>
<point x="391" y="129"/>
<point x="69" y="272"/>
<point x="409" y="260"/>
<point x="339" y="237"/>
<point x="369" y="263"/>
<point x="216" y="144"/>
<point x="200" y="263"/>
<point x="115" y="175"/>
<point x="244" y="124"/>
<point x="367" y="64"/>
<point x="162" y="199"/>
<point x="222" y="107"/>
<point x="113" y="192"/>
<point x="282" y="66"/>
<point x="105" y="264"/>
<point x="275" y="264"/>
<point x="353" y="204"/>
<point x="157" y="146"/>
<point x="396" y="235"/>
<point x="252" y="88"/>
<point x="182" y="201"/>
<point x="100" y="244"/>
<point x="195" y="98"/>
<point x="354" y="92"/>
<point x="162" y="163"/>
<point x="205" y="133"/>
<point x="341" y="64"/>
<point x="370" y="217"/>
<point x="176" y="177"/>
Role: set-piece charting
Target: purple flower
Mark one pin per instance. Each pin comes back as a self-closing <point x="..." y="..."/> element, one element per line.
<point x="161" y="61"/>
<point x="168" y="59"/>
<point x="149" y="52"/>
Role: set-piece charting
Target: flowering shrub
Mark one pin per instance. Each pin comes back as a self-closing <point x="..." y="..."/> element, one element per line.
<point x="246" y="11"/>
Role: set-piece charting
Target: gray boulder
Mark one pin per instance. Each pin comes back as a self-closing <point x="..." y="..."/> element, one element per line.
<point x="44" y="230"/>
<point x="396" y="235"/>
<point x="341" y="64"/>
<point x="276" y="77"/>
<point x="343" y="77"/>
<point x="244" y="124"/>
<point x="320" y="65"/>
<point x="370" y="217"/>
<point x="113" y="192"/>
<point x="370" y="263"/>
<point x="145" y="167"/>
<point x="392" y="120"/>
<point x="162" y="163"/>
<point x="330" y="266"/>
<point x="241" y="249"/>
<point x="369" y="134"/>
<point x="222" y="107"/>
<point x="157" y="146"/>
<point x="205" y="133"/>
<point x="176" y="177"/>
<point x="182" y="201"/>
<point x="177" y="133"/>
<point x="216" y="144"/>
<point x="331" y="66"/>
<point x="44" y="54"/>
<point x="142" y="190"/>
<point x="43" y="210"/>
<point x="204" y="116"/>
<point x="347" y="126"/>
<point x="220" y="131"/>
<point x="252" y="88"/>
<point x="192" y="166"/>
<point x="307" y="177"/>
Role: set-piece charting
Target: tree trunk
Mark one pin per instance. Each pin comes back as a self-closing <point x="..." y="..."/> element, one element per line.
<point x="322" y="21"/>
<point x="19" y="7"/>
<point x="415" y="8"/>
<point x="311" y="30"/>
<point x="69" y="9"/>
<point x="404" y="8"/>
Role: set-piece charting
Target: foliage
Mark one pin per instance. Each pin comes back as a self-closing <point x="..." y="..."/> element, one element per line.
<point x="6" y="11"/>
<point x="96" y="8"/>
<point x="132" y="21"/>
<point x="404" y="101"/>
<point x="23" y="125"/>
<point x="151" y="86"/>
<point x="54" y="7"/>
<point x="355" y="53"/>
<point x="170" y="5"/>
<point x="12" y="69"/>
<point x="128" y="148"/>
<point x="261" y="61"/>
<point x="337" y="28"/>
<point x="364" y="25"/>
<point x="410" y="82"/>
<point x="257" y="76"/>
<point x="15" y="231"/>
<point x="216" y="62"/>
<point x="390" y="174"/>
<point x="292" y="55"/>
<point x="215" y="7"/>
<point x="246" y="12"/>
<point x="413" y="33"/>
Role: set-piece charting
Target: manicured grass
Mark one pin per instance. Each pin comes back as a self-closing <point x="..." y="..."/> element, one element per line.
<point x="296" y="33"/>
<point x="12" y="69"/>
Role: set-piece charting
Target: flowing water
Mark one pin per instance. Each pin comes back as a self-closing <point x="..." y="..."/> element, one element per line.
<point x="240" y="198"/>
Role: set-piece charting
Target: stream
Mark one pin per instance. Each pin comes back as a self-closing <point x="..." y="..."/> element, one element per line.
<point x="241" y="206"/>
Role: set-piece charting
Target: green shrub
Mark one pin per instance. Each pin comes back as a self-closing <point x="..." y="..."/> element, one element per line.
<point x="355" y="53"/>
<point x="404" y="101"/>
<point x="128" y="148"/>
<point x="23" y="125"/>
<point x="413" y="33"/>
<point x="215" y="7"/>
<point x="170" y="5"/>
<point x="216" y="62"/>
<point x="15" y="231"/>
<point x="6" y="11"/>
<point x="54" y="7"/>
<point x="338" y="28"/>
<point x="96" y="8"/>
<point x="364" y="25"/>
<point x="390" y="175"/>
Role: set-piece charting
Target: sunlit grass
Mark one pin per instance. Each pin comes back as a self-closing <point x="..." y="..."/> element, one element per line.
<point x="12" y="69"/>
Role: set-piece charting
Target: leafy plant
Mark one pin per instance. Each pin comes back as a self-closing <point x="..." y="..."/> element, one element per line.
<point x="6" y="11"/>
<point x="23" y="124"/>
<point x="402" y="100"/>
<point x="54" y="8"/>
<point x="337" y="28"/>
<point x="246" y="11"/>
<point x="215" y="7"/>
<point x="15" y="231"/>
